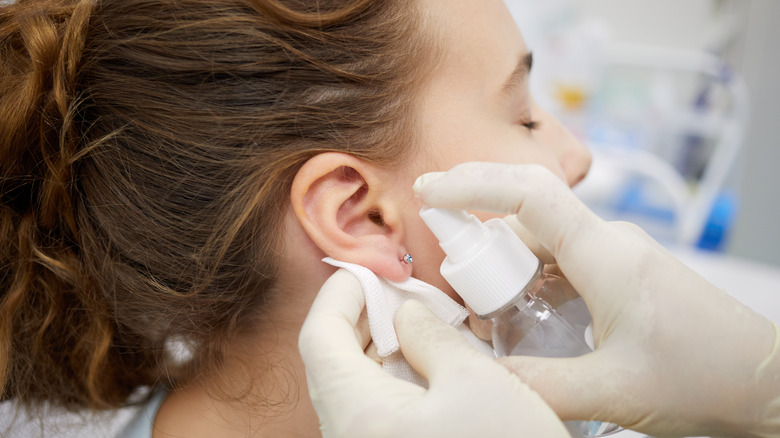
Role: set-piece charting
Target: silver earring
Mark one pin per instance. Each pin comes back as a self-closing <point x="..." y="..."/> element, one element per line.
<point x="407" y="259"/>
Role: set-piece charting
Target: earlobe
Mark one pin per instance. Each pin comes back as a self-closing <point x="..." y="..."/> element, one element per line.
<point x="346" y="207"/>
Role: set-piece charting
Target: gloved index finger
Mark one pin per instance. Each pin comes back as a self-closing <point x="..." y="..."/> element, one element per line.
<point x="429" y="344"/>
<point x="578" y="239"/>
<point x="330" y="342"/>
<point x="331" y="324"/>
<point x="542" y="202"/>
<point x="342" y="380"/>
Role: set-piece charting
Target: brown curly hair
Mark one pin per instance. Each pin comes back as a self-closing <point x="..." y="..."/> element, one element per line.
<point x="147" y="150"/>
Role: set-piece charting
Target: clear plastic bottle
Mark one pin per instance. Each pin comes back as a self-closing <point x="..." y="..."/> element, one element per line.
<point x="534" y="311"/>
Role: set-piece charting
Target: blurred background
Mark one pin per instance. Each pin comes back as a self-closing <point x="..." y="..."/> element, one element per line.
<point x="678" y="100"/>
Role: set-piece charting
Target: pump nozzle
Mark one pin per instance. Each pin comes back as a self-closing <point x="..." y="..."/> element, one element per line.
<point x="487" y="264"/>
<point x="456" y="230"/>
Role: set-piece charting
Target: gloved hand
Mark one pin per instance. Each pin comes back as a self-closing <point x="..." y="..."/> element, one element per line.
<point x="674" y="354"/>
<point x="469" y="394"/>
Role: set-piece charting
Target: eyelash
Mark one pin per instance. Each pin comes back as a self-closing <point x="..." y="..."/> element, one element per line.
<point x="532" y="125"/>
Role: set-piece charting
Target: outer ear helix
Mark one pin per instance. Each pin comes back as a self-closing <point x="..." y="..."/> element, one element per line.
<point x="345" y="207"/>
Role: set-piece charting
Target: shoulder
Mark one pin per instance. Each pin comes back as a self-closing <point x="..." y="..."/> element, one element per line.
<point x="192" y="412"/>
<point x="141" y="425"/>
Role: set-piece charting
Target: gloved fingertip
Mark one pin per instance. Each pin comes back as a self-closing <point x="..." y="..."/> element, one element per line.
<point x="554" y="378"/>
<point x="425" y="179"/>
<point x="412" y="311"/>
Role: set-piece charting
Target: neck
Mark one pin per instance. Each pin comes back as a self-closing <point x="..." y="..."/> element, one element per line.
<point x="261" y="390"/>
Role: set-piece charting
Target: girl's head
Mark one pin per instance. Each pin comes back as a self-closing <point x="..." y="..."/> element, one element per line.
<point x="176" y="169"/>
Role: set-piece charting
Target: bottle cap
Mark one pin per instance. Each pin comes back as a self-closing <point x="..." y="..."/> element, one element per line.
<point x="486" y="264"/>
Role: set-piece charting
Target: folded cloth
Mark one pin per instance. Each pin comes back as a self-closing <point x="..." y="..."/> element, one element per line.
<point x="384" y="298"/>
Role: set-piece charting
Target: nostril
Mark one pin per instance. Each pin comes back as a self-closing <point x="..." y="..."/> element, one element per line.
<point x="576" y="165"/>
<point x="577" y="179"/>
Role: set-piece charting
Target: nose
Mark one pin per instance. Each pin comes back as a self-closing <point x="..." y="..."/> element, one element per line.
<point x="575" y="161"/>
<point x="573" y="156"/>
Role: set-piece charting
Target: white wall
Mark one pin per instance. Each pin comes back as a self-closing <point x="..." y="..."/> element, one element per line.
<point x="757" y="233"/>
<point x="660" y="22"/>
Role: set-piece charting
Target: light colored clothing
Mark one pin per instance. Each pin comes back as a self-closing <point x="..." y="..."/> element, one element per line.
<point x="140" y="426"/>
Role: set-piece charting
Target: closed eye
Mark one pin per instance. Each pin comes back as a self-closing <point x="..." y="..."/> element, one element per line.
<point x="532" y="125"/>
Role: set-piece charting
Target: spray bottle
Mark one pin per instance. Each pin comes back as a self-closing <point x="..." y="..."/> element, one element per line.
<point x="534" y="312"/>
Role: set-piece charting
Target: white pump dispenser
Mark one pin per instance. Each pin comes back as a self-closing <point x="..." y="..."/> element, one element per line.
<point x="485" y="262"/>
<point x="500" y="278"/>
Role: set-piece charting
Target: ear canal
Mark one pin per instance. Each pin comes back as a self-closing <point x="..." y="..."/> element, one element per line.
<point x="375" y="216"/>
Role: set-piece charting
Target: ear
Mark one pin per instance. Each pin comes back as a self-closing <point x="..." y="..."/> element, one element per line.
<point x="346" y="206"/>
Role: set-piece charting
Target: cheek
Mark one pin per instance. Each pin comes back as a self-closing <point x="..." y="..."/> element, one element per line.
<point x="520" y="147"/>
<point x="499" y="143"/>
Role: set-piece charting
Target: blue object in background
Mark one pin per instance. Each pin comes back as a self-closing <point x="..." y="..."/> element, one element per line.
<point x="716" y="231"/>
<point x="633" y="202"/>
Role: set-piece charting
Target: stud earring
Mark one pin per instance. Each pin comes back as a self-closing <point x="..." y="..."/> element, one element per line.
<point x="407" y="259"/>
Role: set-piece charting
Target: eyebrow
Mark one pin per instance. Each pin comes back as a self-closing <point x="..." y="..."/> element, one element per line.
<point x="521" y="71"/>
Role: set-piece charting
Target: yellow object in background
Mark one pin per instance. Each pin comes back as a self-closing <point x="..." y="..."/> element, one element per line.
<point x="572" y="97"/>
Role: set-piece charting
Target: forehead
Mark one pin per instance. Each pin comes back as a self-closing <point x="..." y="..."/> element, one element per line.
<point x="478" y="40"/>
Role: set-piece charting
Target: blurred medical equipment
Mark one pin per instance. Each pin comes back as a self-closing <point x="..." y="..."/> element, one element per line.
<point x="665" y="124"/>
<point x="666" y="166"/>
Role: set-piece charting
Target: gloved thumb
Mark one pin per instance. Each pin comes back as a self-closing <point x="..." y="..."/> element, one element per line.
<point x="431" y="345"/>
<point x="471" y="384"/>
<point x="578" y="388"/>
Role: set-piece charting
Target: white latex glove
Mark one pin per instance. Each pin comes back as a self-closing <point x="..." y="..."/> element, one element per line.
<point x="674" y="354"/>
<point x="469" y="395"/>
